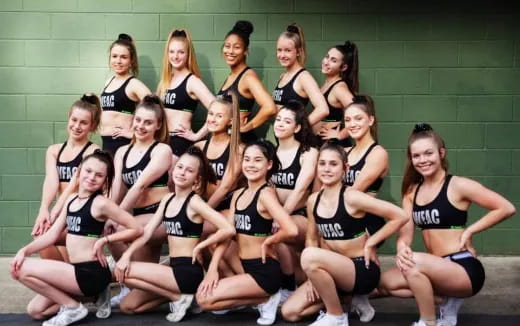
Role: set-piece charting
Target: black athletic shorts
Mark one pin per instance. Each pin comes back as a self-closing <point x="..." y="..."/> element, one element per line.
<point x="473" y="268"/>
<point x="179" y="145"/>
<point x="150" y="209"/>
<point x="366" y="280"/>
<point x="267" y="275"/>
<point x="187" y="275"/>
<point x="111" y="144"/>
<point x="92" y="278"/>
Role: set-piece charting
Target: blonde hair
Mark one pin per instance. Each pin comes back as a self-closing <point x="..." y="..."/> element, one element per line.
<point x="154" y="104"/>
<point x="90" y="103"/>
<point x="294" y="32"/>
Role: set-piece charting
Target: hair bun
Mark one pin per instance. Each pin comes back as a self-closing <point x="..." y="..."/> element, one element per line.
<point x="151" y="99"/>
<point x="125" y="37"/>
<point x="293" y="29"/>
<point x="421" y="127"/>
<point x="244" y="27"/>
<point x="89" y="98"/>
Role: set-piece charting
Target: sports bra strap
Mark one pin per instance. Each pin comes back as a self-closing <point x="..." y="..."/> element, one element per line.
<point x="61" y="150"/>
<point x="331" y="87"/>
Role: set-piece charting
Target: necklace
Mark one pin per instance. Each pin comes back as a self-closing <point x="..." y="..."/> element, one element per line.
<point x="79" y="197"/>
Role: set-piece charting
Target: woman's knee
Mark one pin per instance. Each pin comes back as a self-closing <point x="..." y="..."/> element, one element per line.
<point x="290" y="313"/>
<point x="205" y="302"/>
<point x="309" y="259"/>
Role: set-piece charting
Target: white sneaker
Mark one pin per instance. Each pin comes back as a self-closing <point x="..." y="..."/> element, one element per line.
<point x="103" y="304"/>
<point x="268" y="310"/>
<point x="448" y="311"/>
<point x="115" y="301"/>
<point x="285" y="294"/>
<point x="178" y="308"/>
<point x="419" y="323"/>
<point x="325" y="319"/>
<point x="362" y="307"/>
<point x="111" y="263"/>
<point x="67" y="316"/>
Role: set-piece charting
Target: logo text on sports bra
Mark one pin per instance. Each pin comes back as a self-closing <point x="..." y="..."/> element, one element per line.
<point x="173" y="228"/>
<point x="281" y="178"/>
<point x="73" y="223"/>
<point x="169" y="98"/>
<point x="107" y="101"/>
<point x="66" y="172"/>
<point x="218" y="168"/>
<point x="351" y="176"/>
<point x="242" y="222"/>
<point x="426" y="216"/>
<point x="277" y="95"/>
<point x="131" y="177"/>
<point x="331" y="230"/>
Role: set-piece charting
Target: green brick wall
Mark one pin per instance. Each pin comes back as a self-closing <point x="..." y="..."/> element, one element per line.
<point x="454" y="64"/>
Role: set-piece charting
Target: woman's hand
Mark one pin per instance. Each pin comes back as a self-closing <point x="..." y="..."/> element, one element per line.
<point x="196" y="255"/>
<point x="121" y="132"/>
<point x="404" y="259"/>
<point x="122" y="269"/>
<point x="16" y="263"/>
<point x="329" y="132"/>
<point x="97" y="251"/>
<point x="41" y="223"/>
<point x="209" y="283"/>
<point x="312" y="293"/>
<point x="186" y="133"/>
<point x="370" y="254"/>
<point x="466" y="243"/>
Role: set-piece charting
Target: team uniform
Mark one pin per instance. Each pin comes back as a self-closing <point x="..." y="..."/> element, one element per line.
<point x="116" y="101"/>
<point x="282" y="95"/>
<point x="187" y="275"/>
<point x="132" y="174"/>
<point x="245" y="104"/>
<point x="248" y="221"/>
<point x="178" y="99"/>
<point x="336" y="113"/>
<point x="92" y="278"/>
<point x="342" y="226"/>
<point x="219" y="166"/>
<point x="441" y="214"/>
<point x="66" y="170"/>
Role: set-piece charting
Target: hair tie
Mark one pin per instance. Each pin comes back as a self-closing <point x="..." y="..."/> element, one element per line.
<point x="124" y="37"/>
<point x="421" y="127"/>
<point x="154" y="99"/>
<point x="292" y="29"/>
<point x="361" y="99"/>
<point x="101" y="152"/>
<point x="179" y="33"/>
<point x="89" y="98"/>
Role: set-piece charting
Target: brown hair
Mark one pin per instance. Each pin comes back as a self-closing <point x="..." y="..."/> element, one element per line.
<point x="154" y="104"/>
<point x="104" y="157"/>
<point x="294" y="33"/>
<point x="167" y="71"/>
<point x="349" y="51"/>
<point x="366" y="103"/>
<point x="411" y="176"/>
<point x="126" y="41"/>
<point x="334" y="145"/>
<point x="206" y="173"/>
<point x="90" y="103"/>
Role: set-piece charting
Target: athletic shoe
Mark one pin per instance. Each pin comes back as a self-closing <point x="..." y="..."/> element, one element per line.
<point x="325" y="319"/>
<point x="115" y="301"/>
<point x="268" y="310"/>
<point x="285" y="294"/>
<point x="225" y="311"/>
<point x="67" y="316"/>
<point x="111" y="263"/>
<point x="362" y="307"/>
<point x="419" y="323"/>
<point x="195" y="308"/>
<point x="448" y="311"/>
<point x="178" y="308"/>
<point x="103" y="304"/>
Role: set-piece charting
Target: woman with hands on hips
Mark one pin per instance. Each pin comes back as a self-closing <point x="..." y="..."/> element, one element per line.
<point x="57" y="283"/>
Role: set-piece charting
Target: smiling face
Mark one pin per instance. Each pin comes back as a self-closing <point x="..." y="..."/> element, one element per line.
<point x="234" y="50"/>
<point x="92" y="175"/>
<point x="332" y="64"/>
<point x="285" y="124"/>
<point x="145" y="124"/>
<point x="219" y="117"/>
<point x="79" y="124"/>
<point x="255" y="164"/>
<point x="186" y="171"/>
<point x="120" y="59"/>
<point x="426" y="156"/>
<point x="357" y="122"/>
<point x="286" y="52"/>
<point x="178" y="53"/>
<point x="331" y="167"/>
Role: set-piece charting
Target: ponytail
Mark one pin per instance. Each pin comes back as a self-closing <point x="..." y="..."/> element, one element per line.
<point x="127" y="41"/>
<point x="294" y="32"/>
<point x="349" y="51"/>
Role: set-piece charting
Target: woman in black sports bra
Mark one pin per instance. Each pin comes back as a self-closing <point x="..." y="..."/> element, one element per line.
<point x="60" y="284"/>
<point x="254" y="209"/>
<point x="120" y="94"/>
<point x="298" y="83"/>
<point x="181" y="89"/>
<point x="438" y="203"/>
<point x="182" y="214"/>
<point x="245" y="82"/>
<point x="337" y="216"/>
<point x="340" y="67"/>
<point x="61" y="163"/>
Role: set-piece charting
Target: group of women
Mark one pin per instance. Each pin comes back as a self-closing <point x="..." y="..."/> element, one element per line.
<point x="246" y="223"/>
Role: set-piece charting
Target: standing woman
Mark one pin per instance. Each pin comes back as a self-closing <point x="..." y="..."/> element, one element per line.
<point x="349" y="264"/>
<point x="298" y="83"/>
<point x="57" y="283"/>
<point x="142" y="175"/>
<point x="182" y="213"/>
<point x="120" y="95"/>
<point x="254" y="208"/>
<point x="244" y="81"/>
<point x="61" y="164"/>
<point x="340" y="67"/>
<point x="438" y="204"/>
<point x="181" y="89"/>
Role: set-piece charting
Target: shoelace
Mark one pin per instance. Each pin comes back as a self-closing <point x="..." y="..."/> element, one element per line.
<point x="321" y="315"/>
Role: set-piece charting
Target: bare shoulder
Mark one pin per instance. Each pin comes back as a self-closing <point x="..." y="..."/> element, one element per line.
<point x="161" y="149"/>
<point x="200" y="144"/>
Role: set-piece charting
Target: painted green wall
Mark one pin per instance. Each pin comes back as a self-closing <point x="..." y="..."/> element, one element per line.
<point x="453" y="64"/>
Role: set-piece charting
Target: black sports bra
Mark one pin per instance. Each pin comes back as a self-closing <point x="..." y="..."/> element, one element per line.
<point x="335" y="113"/>
<point x="67" y="169"/>
<point x="282" y="95"/>
<point x="130" y="175"/>
<point x="178" y="98"/>
<point x="355" y="169"/>
<point x="249" y="221"/>
<point x="220" y="163"/>
<point x="117" y="100"/>
<point x="81" y="222"/>
<point x="245" y="104"/>
<point x="180" y="225"/>
<point x="341" y="226"/>
<point x="286" y="178"/>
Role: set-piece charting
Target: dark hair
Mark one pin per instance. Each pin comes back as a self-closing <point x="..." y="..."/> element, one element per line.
<point x="153" y="103"/>
<point x="206" y="173"/>
<point x="305" y="135"/>
<point x="366" y="103"/>
<point x="294" y="32"/>
<point x="349" y="51"/>
<point x="269" y="151"/>
<point x="106" y="158"/>
<point x="242" y="29"/>
<point x="411" y="176"/>
<point x="90" y="103"/>
<point x="335" y="145"/>
<point x="126" y="41"/>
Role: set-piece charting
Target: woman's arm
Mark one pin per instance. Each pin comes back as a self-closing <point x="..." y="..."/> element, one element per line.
<point x="138" y="90"/>
<point x="199" y="91"/>
<point x="312" y="237"/>
<point x="375" y="167"/>
<point x="228" y="180"/>
<point x="160" y="162"/>
<point x="311" y="88"/>
<point x="51" y="184"/>
<point x="305" y="178"/>
<point x="267" y="108"/>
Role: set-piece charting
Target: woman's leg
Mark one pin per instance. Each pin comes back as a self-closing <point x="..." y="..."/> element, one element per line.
<point x="155" y="278"/>
<point x="41" y="307"/>
<point x="393" y="283"/>
<point x="139" y="301"/>
<point x="298" y="305"/>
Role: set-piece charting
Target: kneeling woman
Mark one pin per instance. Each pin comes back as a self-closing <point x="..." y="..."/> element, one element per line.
<point x="349" y="265"/>
<point x="438" y="203"/>
<point x="254" y="208"/>
<point x="59" y="283"/>
<point x="182" y="214"/>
